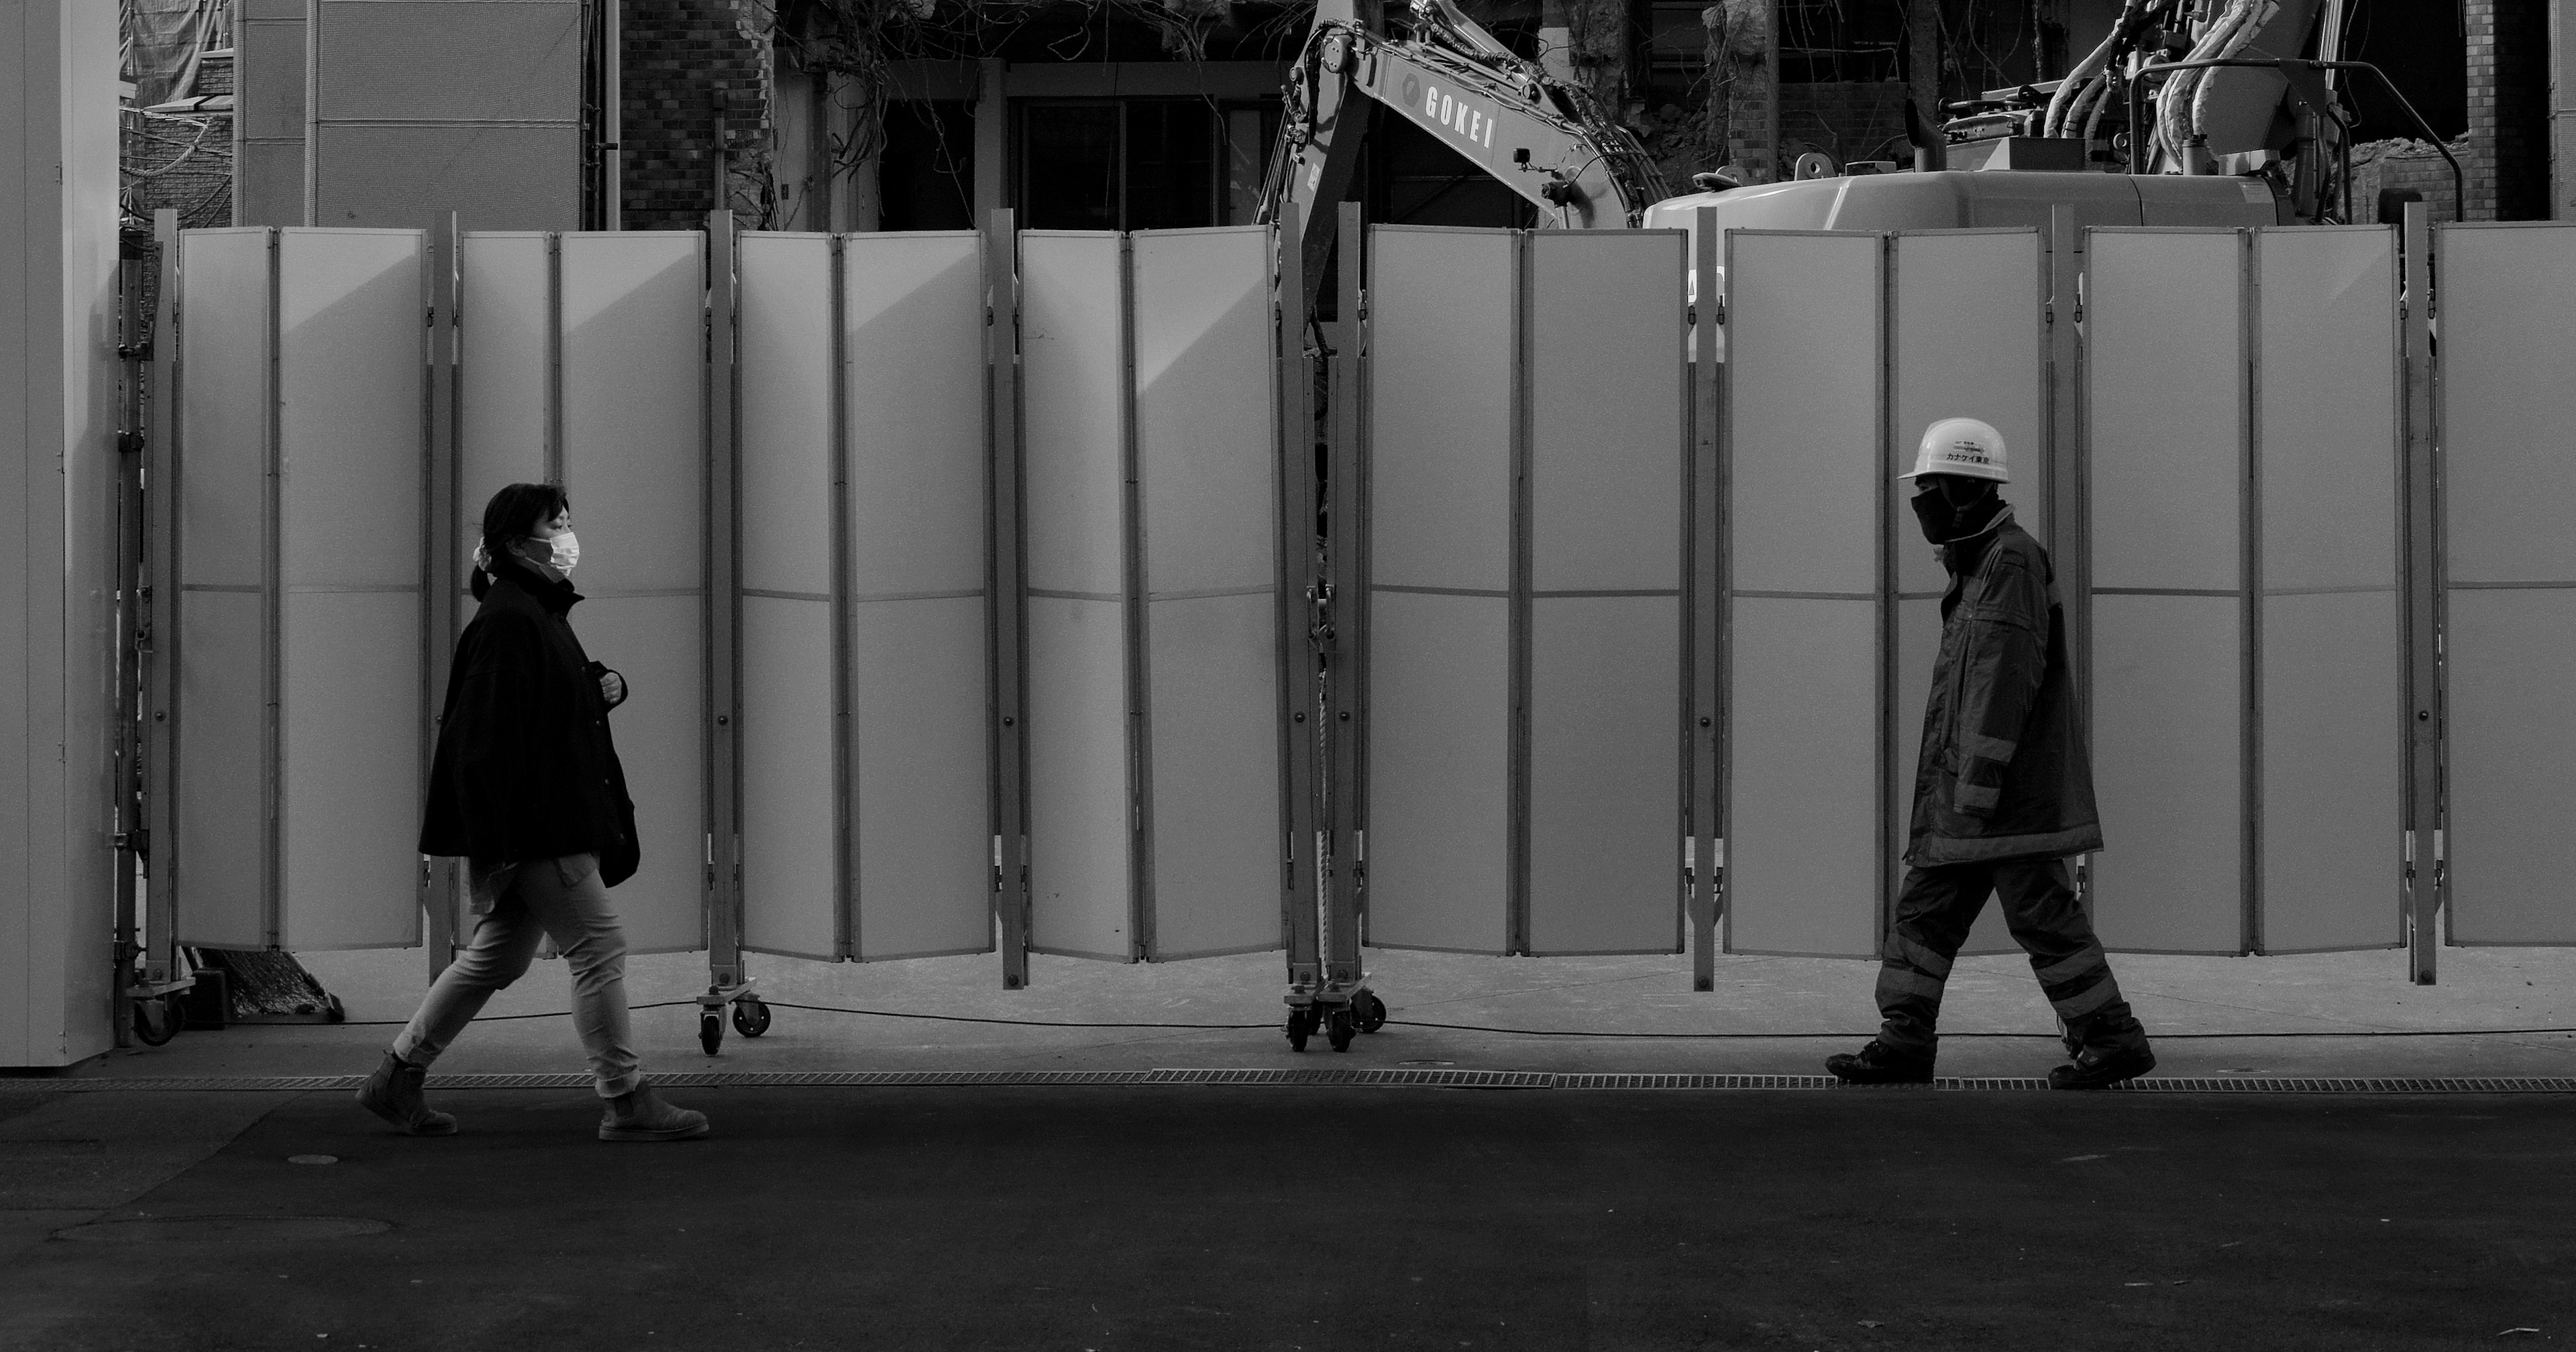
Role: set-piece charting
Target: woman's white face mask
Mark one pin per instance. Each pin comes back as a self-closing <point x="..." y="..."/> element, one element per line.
<point x="562" y="551"/>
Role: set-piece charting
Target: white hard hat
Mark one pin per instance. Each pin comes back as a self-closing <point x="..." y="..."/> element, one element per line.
<point x="1961" y="446"/>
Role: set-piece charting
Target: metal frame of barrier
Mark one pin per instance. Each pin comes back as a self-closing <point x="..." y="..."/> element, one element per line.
<point x="2508" y="575"/>
<point x="1322" y="629"/>
<point x="1806" y="512"/>
<point x="2263" y="785"/>
<point x="255" y="563"/>
<point x="2328" y="546"/>
<point x="576" y="352"/>
<point x="1529" y="500"/>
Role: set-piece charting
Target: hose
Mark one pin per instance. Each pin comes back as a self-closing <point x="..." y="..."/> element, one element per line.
<point x="2244" y="38"/>
<point x="2061" y="103"/>
<point x="2078" y="82"/>
<point x="2093" y="124"/>
<point x="2087" y="107"/>
<point x="2178" y="103"/>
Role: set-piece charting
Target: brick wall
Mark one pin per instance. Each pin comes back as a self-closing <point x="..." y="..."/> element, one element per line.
<point x="2404" y="165"/>
<point x="184" y="163"/>
<point x="1739" y="118"/>
<point x="687" y="64"/>
<point x="2508" y="155"/>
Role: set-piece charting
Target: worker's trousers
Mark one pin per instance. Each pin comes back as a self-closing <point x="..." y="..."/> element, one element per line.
<point x="563" y="898"/>
<point x="1933" y="914"/>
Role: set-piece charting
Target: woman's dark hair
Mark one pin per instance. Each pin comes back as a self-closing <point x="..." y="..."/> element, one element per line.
<point x="514" y="514"/>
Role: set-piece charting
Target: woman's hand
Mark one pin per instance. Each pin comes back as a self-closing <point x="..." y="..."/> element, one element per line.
<point x="612" y="688"/>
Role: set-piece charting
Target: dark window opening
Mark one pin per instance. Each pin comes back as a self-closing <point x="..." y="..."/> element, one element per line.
<point x="1143" y="164"/>
<point x="1171" y="165"/>
<point x="926" y="174"/>
<point x="1069" y="164"/>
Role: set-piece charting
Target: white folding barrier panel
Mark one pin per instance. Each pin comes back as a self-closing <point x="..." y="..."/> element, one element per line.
<point x="301" y="451"/>
<point x="1155" y="809"/>
<point x="582" y="359"/>
<point x="1206" y="430"/>
<point x="2508" y="400"/>
<point x="1526" y="535"/>
<point x="914" y="680"/>
<point x="1604" y="524"/>
<point x="1082" y="812"/>
<point x="2165" y="313"/>
<point x="1842" y="349"/>
<point x="1806" y="505"/>
<point x="508" y="362"/>
<point x="794" y="737"/>
<point x="864" y="763"/>
<point x="1443" y="320"/>
<point x="2329" y="440"/>
<point x="2248" y="728"/>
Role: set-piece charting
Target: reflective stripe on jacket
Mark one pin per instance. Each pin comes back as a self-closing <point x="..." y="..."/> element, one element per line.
<point x="2004" y="772"/>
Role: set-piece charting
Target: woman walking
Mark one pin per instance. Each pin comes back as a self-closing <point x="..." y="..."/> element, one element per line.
<point x="526" y="788"/>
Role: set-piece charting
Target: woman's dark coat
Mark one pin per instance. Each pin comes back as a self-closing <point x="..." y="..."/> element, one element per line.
<point x="2003" y="772"/>
<point x="525" y="768"/>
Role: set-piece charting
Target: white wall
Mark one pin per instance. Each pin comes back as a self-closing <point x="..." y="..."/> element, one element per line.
<point x="58" y="181"/>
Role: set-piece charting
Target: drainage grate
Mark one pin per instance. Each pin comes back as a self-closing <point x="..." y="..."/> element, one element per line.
<point x="1354" y="1078"/>
<point x="1413" y="1079"/>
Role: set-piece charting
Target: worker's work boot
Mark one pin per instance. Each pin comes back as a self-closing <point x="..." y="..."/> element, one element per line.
<point x="2102" y="1067"/>
<point x="1878" y="1063"/>
<point x="643" y="1116"/>
<point x="394" y="1094"/>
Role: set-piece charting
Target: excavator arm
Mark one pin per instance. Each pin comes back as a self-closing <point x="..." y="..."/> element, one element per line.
<point x="1549" y="141"/>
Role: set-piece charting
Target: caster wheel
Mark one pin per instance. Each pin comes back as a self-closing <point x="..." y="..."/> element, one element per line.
<point x="710" y="1031"/>
<point x="1372" y="1012"/>
<point x="154" y="1022"/>
<point x="750" y="1016"/>
<point x="1299" y="1029"/>
<point x="1340" y="1027"/>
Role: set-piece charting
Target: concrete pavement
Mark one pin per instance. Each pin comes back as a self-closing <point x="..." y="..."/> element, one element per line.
<point x="1294" y="1217"/>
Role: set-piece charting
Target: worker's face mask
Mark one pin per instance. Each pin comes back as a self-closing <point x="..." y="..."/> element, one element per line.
<point x="1932" y="508"/>
<point x="565" y="550"/>
<point x="1944" y="503"/>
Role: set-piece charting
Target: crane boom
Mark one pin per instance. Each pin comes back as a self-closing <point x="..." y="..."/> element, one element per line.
<point x="1546" y="140"/>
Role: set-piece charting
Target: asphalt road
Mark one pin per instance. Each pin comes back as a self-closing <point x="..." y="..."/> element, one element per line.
<point x="1288" y="1219"/>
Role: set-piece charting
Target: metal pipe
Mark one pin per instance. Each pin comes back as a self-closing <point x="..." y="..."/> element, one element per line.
<point x="2137" y="98"/>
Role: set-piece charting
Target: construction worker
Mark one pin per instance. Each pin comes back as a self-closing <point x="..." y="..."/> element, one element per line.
<point x="2003" y="791"/>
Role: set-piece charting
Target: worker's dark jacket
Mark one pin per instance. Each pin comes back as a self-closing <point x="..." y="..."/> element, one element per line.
<point x="525" y="769"/>
<point x="2003" y="773"/>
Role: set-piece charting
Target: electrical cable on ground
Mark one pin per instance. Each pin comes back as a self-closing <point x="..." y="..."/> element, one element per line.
<point x="497" y="1018"/>
<point x="1522" y="1032"/>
